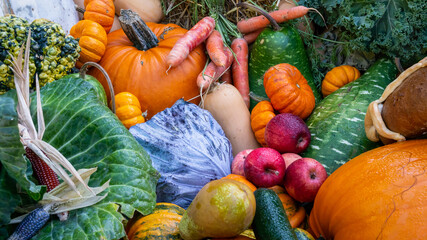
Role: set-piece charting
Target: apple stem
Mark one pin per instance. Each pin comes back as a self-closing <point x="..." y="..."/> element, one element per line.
<point x="273" y="171"/>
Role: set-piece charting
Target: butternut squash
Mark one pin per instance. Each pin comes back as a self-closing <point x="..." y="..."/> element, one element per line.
<point x="148" y="10"/>
<point x="226" y="105"/>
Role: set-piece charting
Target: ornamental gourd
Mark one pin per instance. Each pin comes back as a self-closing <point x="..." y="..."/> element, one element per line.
<point x="401" y="111"/>
<point x="141" y="69"/>
<point x="261" y="114"/>
<point x="338" y="77"/>
<point x="92" y="40"/>
<point x="380" y="194"/>
<point x="161" y="224"/>
<point x="128" y="109"/>
<point x="288" y="90"/>
<point x="100" y="11"/>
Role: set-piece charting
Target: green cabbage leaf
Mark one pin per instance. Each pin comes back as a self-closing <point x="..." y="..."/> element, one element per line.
<point x="89" y="135"/>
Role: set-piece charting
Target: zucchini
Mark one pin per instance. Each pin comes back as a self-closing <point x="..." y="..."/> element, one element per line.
<point x="337" y="123"/>
<point x="270" y="221"/>
<point x="274" y="47"/>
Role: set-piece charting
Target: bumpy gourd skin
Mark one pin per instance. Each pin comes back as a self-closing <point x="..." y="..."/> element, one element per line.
<point x="52" y="56"/>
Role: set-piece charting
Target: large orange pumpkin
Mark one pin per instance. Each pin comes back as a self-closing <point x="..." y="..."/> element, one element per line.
<point x="288" y="90"/>
<point x="145" y="73"/>
<point x="380" y="194"/>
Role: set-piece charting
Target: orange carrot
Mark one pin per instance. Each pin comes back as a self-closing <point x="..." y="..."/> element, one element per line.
<point x="256" y="23"/>
<point x="213" y="72"/>
<point x="191" y="39"/>
<point x="240" y="68"/>
<point x="226" y="77"/>
<point x="214" y="46"/>
<point x="252" y="36"/>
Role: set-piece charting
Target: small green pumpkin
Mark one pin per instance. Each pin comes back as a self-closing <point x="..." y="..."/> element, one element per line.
<point x="162" y="224"/>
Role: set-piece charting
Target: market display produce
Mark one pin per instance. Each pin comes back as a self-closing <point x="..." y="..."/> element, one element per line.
<point x="213" y="119"/>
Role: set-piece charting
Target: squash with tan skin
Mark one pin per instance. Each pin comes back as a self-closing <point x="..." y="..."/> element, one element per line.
<point x="401" y="112"/>
<point x="227" y="106"/>
<point x="148" y="10"/>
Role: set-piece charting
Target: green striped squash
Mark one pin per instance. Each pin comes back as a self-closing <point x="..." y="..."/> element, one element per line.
<point x="162" y="224"/>
<point x="337" y="124"/>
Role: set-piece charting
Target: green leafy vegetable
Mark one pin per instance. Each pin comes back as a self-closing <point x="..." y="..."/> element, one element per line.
<point x="11" y="150"/>
<point x="8" y="197"/>
<point x="89" y="135"/>
<point x="395" y="28"/>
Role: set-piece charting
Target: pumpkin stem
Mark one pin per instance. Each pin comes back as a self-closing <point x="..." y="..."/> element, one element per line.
<point x="273" y="22"/>
<point x="83" y="71"/>
<point x="137" y="31"/>
<point x="79" y="9"/>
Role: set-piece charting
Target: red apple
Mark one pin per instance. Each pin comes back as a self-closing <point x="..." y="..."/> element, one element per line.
<point x="303" y="179"/>
<point x="237" y="166"/>
<point x="265" y="167"/>
<point x="287" y="132"/>
<point x="290" y="158"/>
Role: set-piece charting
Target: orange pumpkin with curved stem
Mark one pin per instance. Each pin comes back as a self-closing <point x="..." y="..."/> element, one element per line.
<point x="338" y="77"/>
<point x="380" y="194"/>
<point x="261" y="114"/>
<point x="100" y="11"/>
<point x="92" y="40"/>
<point x="145" y="73"/>
<point x="288" y="90"/>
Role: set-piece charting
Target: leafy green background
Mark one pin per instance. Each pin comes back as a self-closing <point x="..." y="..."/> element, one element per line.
<point x="360" y="32"/>
<point x="89" y="135"/>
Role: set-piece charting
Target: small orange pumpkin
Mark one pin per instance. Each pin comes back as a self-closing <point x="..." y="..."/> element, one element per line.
<point x="288" y="90"/>
<point x="261" y="114"/>
<point x="128" y="109"/>
<point x="338" y="77"/>
<point x="241" y="179"/>
<point x="92" y="40"/>
<point x="100" y="11"/>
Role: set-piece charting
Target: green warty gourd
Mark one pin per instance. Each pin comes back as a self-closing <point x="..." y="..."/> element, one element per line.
<point x="52" y="56"/>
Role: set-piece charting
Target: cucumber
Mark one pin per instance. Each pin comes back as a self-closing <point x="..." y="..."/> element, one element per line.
<point x="337" y="124"/>
<point x="274" y="47"/>
<point x="270" y="221"/>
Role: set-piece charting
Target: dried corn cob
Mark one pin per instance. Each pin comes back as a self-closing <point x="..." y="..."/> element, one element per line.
<point x="31" y="224"/>
<point x="44" y="174"/>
